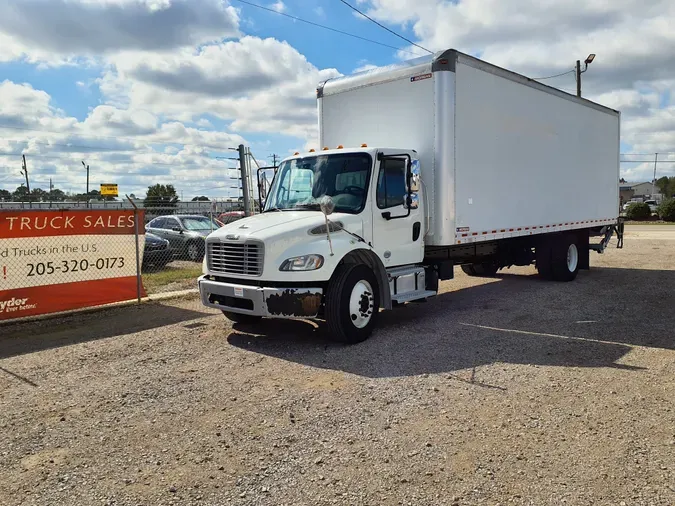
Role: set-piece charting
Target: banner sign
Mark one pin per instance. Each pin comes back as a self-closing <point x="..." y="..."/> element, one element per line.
<point x="52" y="261"/>
<point x="109" y="190"/>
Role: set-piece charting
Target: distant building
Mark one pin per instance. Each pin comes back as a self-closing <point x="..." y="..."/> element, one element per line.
<point x="643" y="190"/>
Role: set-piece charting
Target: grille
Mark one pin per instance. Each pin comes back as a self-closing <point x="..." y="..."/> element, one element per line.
<point x="235" y="258"/>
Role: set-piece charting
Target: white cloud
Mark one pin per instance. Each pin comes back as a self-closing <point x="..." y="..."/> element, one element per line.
<point x="260" y="85"/>
<point x="58" y="31"/>
<point x="365" y="67"/>
<point x="127" y="146"/>
<point x="279" y="6"/>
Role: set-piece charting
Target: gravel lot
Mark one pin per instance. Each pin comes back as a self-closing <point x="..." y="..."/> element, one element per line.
<point x="504" y="391"/>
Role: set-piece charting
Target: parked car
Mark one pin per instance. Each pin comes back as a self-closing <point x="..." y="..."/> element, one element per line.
<point x="185" y="233"/>
<point x="157" y="251"/>
<point x="230" y="216"/>
<point x="653" y="206"/>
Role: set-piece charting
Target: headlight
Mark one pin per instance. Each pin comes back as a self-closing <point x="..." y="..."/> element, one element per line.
<point x="302" y="263"/>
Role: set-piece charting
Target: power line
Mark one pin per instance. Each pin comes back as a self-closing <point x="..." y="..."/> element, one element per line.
<point x="117" y="138"/>
<point x="382" y="26"/>
<point x="551" y="77"/>
<point x="319" y="25"/>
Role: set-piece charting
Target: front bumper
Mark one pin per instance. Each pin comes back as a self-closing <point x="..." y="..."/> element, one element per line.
<point x="275" y="302"/>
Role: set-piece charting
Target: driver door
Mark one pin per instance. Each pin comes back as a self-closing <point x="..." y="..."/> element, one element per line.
<point x="398" y="231"/>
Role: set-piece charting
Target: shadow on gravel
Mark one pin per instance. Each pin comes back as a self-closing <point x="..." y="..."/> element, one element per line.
<point x="30" y="337"/>
<point x="592" y="322"/>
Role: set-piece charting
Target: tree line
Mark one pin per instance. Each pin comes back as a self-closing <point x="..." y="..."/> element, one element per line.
<point x="55" y="195"/>
<point x="158" y="195"/>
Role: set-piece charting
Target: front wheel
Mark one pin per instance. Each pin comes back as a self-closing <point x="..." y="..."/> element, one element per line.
<point x="242" y="318"/>
<point x="352" y="303"/>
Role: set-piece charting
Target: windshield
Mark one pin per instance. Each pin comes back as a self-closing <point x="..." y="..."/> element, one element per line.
<point x="300" y="183"/>
<point x="199" y="224"/>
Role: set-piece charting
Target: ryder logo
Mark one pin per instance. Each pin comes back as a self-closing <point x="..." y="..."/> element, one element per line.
<point x="14" y="304"/>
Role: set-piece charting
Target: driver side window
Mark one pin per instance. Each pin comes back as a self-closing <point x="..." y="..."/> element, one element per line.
<point x="391" y="189"/>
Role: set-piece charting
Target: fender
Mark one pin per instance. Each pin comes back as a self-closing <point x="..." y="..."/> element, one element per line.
<point x="369" y="258"/>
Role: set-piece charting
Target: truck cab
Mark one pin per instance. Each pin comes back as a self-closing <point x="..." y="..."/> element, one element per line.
<point x="340" y="236"/>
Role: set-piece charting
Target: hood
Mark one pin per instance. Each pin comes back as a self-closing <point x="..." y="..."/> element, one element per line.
<point x="202" y="233"/>
<point x="273" y="223"/>
<point x="153" y="239"/>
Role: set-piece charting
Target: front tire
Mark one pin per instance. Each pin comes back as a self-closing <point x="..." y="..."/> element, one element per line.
<point x="352" y="303"/>
<point x="242" y="318"/>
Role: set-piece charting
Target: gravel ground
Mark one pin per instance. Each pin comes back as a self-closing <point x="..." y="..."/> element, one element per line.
<point x="504" y="391"/>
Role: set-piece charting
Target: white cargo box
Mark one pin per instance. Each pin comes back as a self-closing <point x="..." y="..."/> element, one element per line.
<point x="501" y="155"/>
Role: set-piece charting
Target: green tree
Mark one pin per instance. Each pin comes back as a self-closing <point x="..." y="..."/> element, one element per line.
<point x="20" y="194"/>
<point x="5" y="195"/>
<point x="667" y="210"/>
<point x="638" y="211"/>
<point x="666" y="186"/>
<point x="200" y="199"/>
<point x="39" y="195"/>
<point x="160" y="195"/>
<point x="57" y="195"/>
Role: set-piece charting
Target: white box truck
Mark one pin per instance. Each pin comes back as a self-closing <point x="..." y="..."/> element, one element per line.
<point x="425" y="165"/>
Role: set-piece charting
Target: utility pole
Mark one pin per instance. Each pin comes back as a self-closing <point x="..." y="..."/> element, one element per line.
<point x="243" y="166"/>
<point x="656" y="159"/>
<point x="274" y="159"/>
<point x="24" y="172"/>
<point x="87" y="168"/>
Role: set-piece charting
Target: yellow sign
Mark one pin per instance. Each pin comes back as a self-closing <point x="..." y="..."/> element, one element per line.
<point x="109" y="190"/>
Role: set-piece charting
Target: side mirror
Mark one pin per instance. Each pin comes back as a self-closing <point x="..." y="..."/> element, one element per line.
<point x="327" y="205"/>
<point x="414" y="176"/>
<point x="177" y="229"/>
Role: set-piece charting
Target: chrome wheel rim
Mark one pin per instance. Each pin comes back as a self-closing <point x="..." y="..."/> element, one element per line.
<point x="361" y="304"/>
<point x="572" y="257"/>
<point x="193" y="252"/>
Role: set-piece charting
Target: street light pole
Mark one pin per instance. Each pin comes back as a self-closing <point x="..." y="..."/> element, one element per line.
<point x="587" y="62"/>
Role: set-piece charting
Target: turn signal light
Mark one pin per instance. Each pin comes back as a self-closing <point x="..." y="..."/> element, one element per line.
<point x="340" y="146"/>
<point x="325" y="148"/>
<point x="364" y="145"/>
<point x="312" y="150"/>
<point x="296" y="153"/>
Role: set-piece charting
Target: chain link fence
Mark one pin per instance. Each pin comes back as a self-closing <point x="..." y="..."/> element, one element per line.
<point x="171" y="242"/>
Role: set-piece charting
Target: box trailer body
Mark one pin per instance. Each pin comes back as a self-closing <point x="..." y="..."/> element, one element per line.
<point x="501" y="155"/>
<point x="425" y="165"/>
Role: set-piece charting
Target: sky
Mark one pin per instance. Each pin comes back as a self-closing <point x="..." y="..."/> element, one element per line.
<point x="158" y="91"/>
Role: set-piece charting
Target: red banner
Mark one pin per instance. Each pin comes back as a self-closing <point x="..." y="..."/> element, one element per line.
<point x="53" y="261"/>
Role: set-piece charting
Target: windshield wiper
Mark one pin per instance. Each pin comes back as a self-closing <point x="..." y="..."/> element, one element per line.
<point x="314" y="206"/>
<point x="272" y="209"/>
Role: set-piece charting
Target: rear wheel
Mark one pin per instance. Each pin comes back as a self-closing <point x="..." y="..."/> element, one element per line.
<point x="242" y="318"/>
<point x="352" y="303"/>
<point x="565" y="258"/>
<point x="558" y="258"/>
